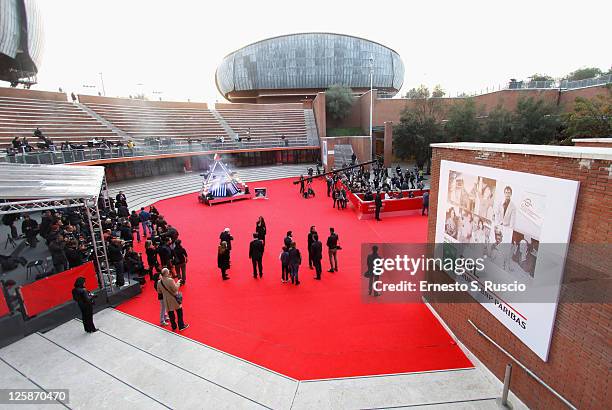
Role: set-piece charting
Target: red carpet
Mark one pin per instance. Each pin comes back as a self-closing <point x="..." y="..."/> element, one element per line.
<point x="320" y="329"/>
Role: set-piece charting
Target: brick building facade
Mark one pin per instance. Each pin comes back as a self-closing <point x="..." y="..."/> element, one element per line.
<point x="579" y="361"/>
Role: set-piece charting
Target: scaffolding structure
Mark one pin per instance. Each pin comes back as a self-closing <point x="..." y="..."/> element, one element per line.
<point x="34" y="188"/>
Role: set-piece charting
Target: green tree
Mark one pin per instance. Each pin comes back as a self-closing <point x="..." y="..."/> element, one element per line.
<point x="590" y="117"/>
<point x="338" y="101"/>
<point x="498" y="125"/>
<point x="541" y="77"/>
<point x="412" y="136"/>
<point x="535" y="122"/>
<point x="419" y="92"/>
<point x="462" y="124"/>
<point x="583" y="74"/>
<point x="438" y="92"/>
<point x="419" y="126"/>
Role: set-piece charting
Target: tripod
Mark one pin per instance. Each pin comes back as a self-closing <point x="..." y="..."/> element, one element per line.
<point x="9" y="240"/>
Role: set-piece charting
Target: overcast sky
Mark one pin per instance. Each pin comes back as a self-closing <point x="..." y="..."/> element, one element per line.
<point x="174" y="47"/>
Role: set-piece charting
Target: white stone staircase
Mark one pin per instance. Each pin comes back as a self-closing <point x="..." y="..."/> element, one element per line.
<point x="145" y="191"/>
<point x="132" y="364"/>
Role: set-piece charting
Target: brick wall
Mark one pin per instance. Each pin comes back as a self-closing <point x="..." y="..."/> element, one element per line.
<point x="318" y="108"/>
<point x="579" y="361"/>
<point x="390" y="109"/>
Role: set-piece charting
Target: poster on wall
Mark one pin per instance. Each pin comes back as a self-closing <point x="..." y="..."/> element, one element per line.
<point x="520" y="224"/>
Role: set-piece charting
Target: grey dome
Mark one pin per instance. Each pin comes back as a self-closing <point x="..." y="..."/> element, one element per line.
<point x="21" y="39"/>
<point x="310" y="61"/>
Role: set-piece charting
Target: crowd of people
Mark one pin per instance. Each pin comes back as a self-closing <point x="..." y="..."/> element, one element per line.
<point x="44" y="143"/>
<point x="290" y="256"/>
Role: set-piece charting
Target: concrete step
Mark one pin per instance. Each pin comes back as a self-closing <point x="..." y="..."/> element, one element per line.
<point x="10" y="378"/>
<point x="145" y="191"/>
<point x="51" y="366"/>
<point x="239" y="376"/>
<point x="160" y="378"/>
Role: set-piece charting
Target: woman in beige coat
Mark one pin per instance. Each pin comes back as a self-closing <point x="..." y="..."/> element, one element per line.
<point x="168" y="288"/>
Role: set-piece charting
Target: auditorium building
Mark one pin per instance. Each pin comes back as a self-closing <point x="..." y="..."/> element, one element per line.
<point x="118" y="251"/>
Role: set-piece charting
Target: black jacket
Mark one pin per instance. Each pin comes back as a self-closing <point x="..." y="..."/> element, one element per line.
<point x="332" y="241"/>
<point x="316" y="251"/>
<point x="256" y="249"/>
<point x="225" y="236"/>
<point x="378" y="201"/>
<point x="180" y="254"/>
<point x="287" y="241"/>
<point x="223" y="260"/>
<point x="261" y="231"/>
<point x="82" y="297"/>
<point x="165" y="254"/>
<point x="295" y="258"/>
<point x="114" y="253"/>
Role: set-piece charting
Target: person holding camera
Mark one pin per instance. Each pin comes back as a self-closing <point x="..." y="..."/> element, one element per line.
<point x="74" y="253"/>
<point x="180" y="261"/>
<point x="135" y="224"/>
<point x="85" y="300"/>
<point x="115" y="257"/>
<point x="57" y="247"/>
<point x="29" y="227"/>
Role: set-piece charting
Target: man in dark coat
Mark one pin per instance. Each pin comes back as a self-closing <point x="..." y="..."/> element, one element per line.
<point x="316" y="254"/>
<point x="288" y="239"/>
<point x="370" y="273"/>
<point x="310" y="241"/>
<point x="57" y="248"/>
<point x="225" y="236"/>
<point x="121" y="199"/>
<point x="29" y="227"/>
<point x="378" y="203"/>
<point x="256" y="250"/>
<point x="115" y="258"/>
<point x="425" y="203"/>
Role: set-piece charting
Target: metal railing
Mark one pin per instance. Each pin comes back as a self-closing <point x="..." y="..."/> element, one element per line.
<point x="522" y="366"/>
<point x="535" y="85"/>
<point x="58" y="156"/>
<point x="589" y="82"/>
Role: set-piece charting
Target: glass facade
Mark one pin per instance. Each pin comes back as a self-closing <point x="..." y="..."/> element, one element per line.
<point x="310" y="60"/>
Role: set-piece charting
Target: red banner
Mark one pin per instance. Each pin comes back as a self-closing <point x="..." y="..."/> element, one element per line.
<point x="55" y="290"/>
<point x="4" y="309"/>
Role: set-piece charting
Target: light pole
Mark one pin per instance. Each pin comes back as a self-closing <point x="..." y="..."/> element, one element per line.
<point x="102" y="80"/>
<point x="372" y="145"/>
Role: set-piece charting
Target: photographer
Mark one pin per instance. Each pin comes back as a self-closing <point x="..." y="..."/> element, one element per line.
<point x="133" y="263"/>
<point x="85" y="300"/>
<point x="75" y="253"/>
<point x="152" y="262"/>
<point x="58" y="255"/>
<point x="29" y="227"/>
<point x="180" y="261"/>
<point x="115" y="258"/>
<point x="134" y="223"/>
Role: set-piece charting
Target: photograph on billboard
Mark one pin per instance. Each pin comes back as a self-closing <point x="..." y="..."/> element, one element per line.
<point x="520" y="224"/>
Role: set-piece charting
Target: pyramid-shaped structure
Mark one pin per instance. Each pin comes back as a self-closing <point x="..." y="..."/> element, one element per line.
<point x="220" y="182"/>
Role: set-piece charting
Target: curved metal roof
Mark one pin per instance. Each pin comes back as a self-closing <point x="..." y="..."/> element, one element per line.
<point x="310" y="61"/>
<point x="21" y="39"/>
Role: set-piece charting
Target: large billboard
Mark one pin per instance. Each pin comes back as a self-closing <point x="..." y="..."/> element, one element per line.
<point x="521" y="224"/>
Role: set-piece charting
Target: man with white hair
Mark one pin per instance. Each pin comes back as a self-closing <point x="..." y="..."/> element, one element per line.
<point x="225" y="236"/>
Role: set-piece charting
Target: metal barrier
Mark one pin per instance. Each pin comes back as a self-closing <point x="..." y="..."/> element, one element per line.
<point x="522" y="366"/>
<point x="89" y="154"/>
